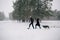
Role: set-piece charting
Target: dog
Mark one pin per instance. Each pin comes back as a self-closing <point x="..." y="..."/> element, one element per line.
<point x="45" y="26"/>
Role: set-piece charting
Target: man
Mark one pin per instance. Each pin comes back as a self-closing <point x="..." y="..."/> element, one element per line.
<point x="37" y="23"/>
<point x="31" y="20"/>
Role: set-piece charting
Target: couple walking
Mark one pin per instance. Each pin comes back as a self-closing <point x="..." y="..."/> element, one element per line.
<point x="37" y="23"/>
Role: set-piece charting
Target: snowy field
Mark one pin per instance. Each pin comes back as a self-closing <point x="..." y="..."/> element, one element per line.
<point x="13" y="30"/>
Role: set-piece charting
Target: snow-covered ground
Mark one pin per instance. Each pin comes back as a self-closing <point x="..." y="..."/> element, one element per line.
<point x="13" y="30"/>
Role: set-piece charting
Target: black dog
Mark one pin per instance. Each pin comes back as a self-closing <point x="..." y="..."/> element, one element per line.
<point x="45" y="26"/>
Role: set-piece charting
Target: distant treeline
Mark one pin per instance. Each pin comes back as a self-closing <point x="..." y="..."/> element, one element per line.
<point x="2" y="16"/>
<point x="56" y="16"/>
<point x="23" y="9"/>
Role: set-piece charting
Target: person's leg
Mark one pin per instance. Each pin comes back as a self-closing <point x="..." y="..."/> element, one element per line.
<point x="39" y="26"/>
<point x="35" y="26"/>
<point x="29" y="25"/>
<point x="32" y="25"/>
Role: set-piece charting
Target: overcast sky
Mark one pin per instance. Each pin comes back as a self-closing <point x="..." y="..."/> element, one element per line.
<point x="6" y="6"/>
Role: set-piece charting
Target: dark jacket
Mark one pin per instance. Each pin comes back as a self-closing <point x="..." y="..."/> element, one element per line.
<point x="32" y="20"/>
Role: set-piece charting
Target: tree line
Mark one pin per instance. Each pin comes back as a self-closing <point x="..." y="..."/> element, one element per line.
<point x="23" y="9"/>
<point x="2" y="16"/>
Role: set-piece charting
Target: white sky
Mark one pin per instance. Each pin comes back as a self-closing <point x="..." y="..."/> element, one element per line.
<point x="6" y="6"/>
